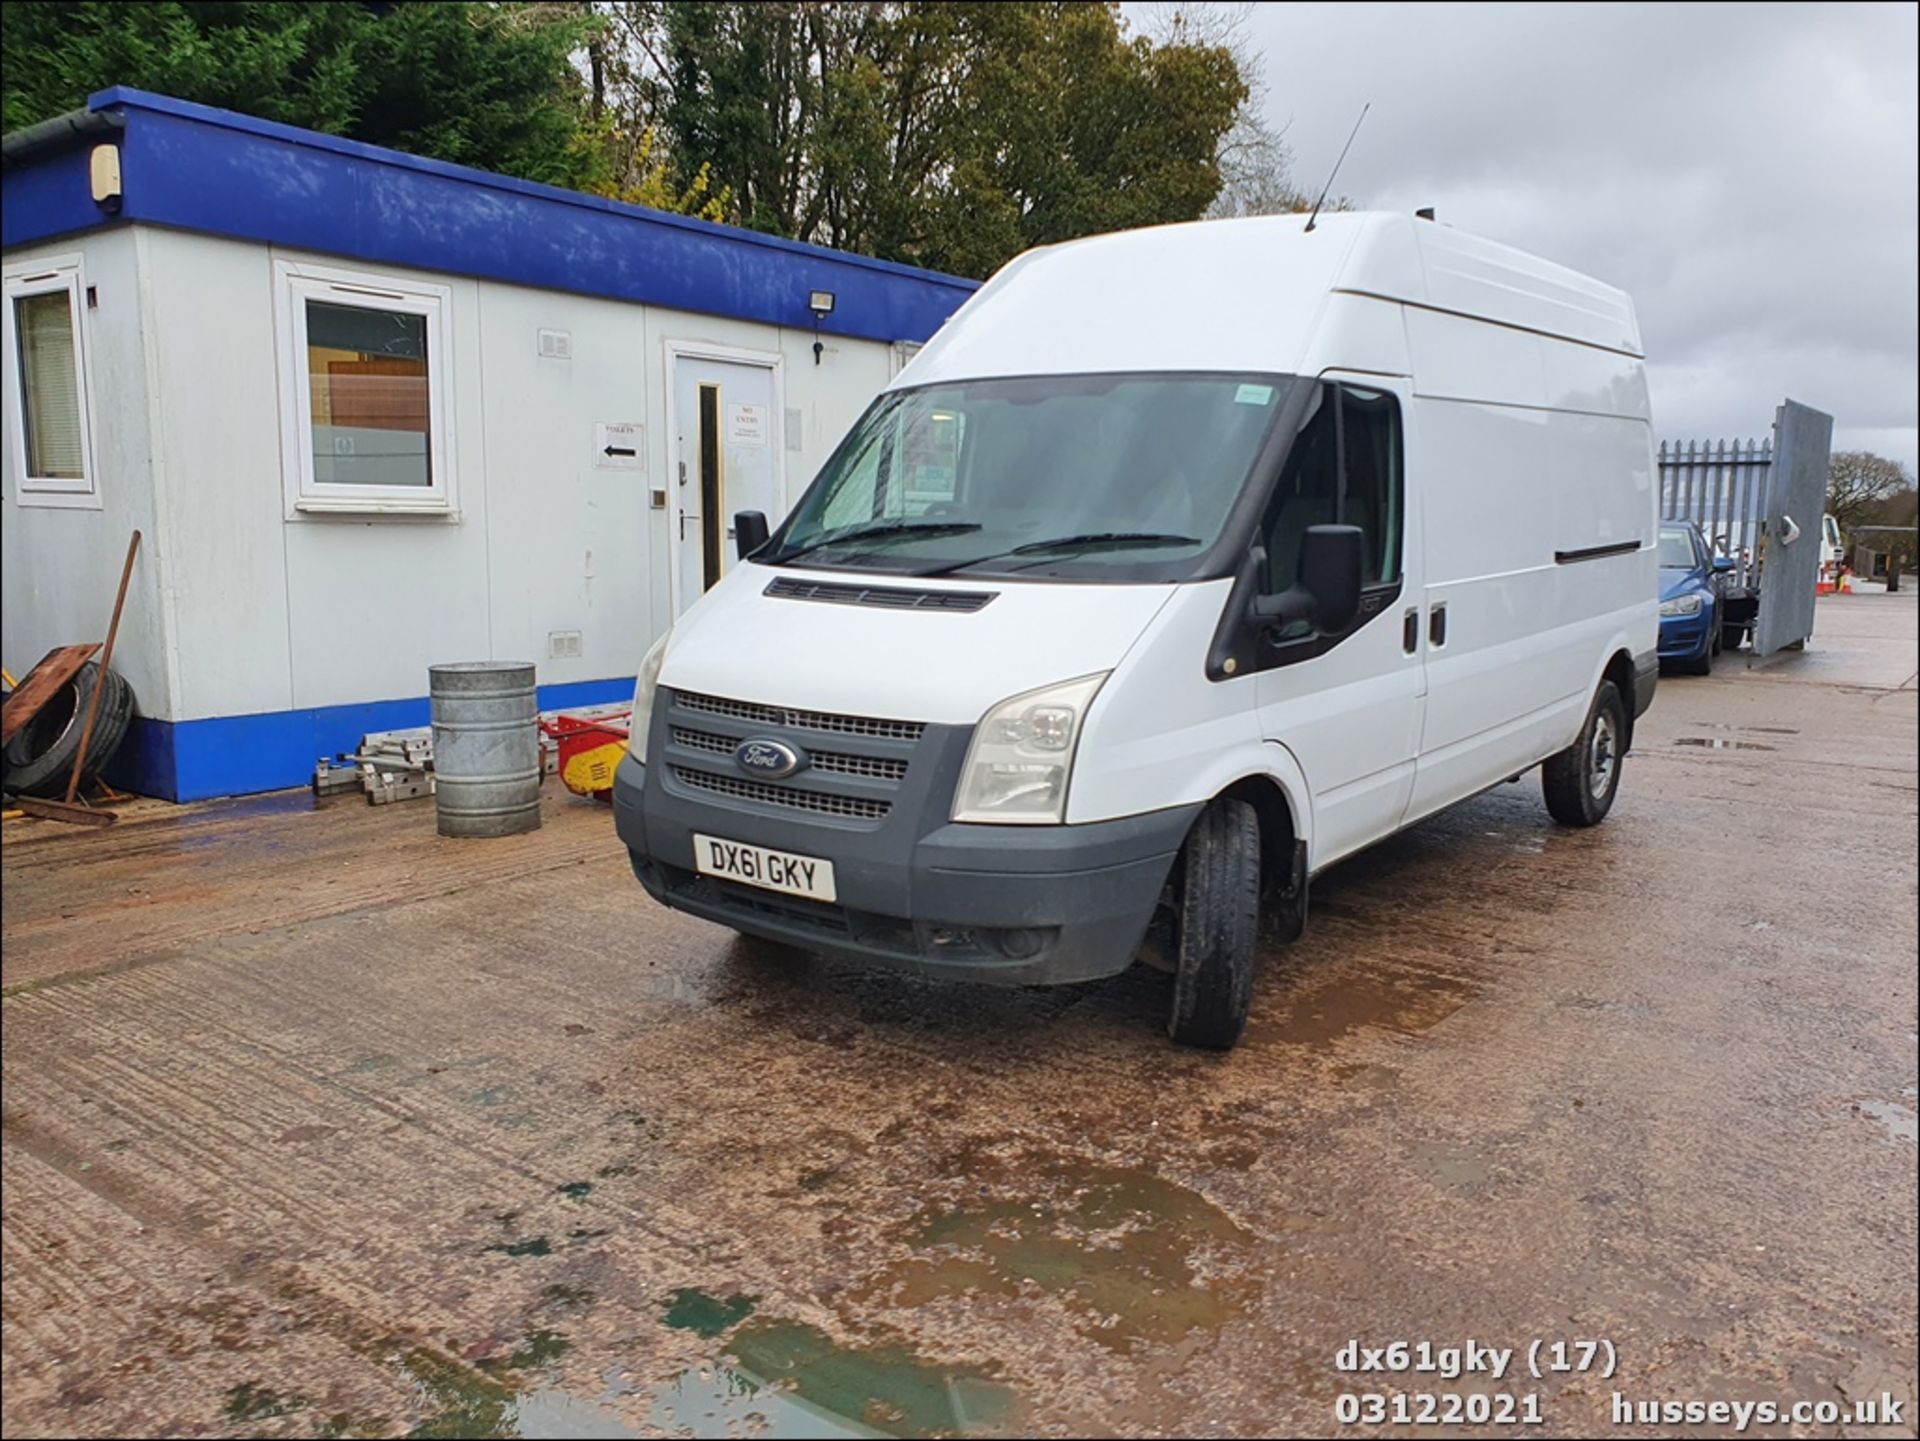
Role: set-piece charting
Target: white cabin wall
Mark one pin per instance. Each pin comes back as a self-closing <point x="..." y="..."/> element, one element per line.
<point x="569" y="540"/>
<point x="216" y="450"/>
<point x="62" y="564"/>
<point x="278" y="614"/>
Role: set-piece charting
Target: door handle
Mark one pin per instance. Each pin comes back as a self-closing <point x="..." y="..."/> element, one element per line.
<point x="1437" y="625"/>
<point x="684" y="518"/>
<point x="1410" y="630"/>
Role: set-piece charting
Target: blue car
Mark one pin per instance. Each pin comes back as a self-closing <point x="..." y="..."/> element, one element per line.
<point x="1692" y="580"/>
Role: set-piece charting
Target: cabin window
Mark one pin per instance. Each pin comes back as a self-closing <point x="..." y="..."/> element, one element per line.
<point x="47" y="388"/>
<point x="1345" y="468"/>
<point x="365" y="394"/>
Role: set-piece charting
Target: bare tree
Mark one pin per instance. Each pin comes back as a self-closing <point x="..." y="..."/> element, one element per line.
<point x="1256" y="164"/>
<point x="1858" y="481"/>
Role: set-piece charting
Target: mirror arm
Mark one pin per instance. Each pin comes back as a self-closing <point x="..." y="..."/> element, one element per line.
<point x="1292" y="604"/>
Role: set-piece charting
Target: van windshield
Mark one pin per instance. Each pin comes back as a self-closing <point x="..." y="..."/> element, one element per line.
<point x="1103" y="477"/>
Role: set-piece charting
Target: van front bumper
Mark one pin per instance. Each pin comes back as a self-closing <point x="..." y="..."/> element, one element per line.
<point x="1011" y="905"/>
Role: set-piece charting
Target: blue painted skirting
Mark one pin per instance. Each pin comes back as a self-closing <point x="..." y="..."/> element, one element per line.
<point x="237" y="755"/>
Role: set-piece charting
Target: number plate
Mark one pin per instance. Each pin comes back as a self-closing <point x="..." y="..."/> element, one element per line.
<point x="792" y="875"/>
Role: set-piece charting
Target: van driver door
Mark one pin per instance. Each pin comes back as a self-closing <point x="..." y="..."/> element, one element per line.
<point x="1350" y="708"/>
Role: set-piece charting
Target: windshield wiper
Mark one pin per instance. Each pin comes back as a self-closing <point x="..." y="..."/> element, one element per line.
<point x="879" y="532"/>
<point x="1068" y="542"/>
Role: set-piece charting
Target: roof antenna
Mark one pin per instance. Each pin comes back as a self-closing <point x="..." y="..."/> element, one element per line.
<point x="1336" y="167"/>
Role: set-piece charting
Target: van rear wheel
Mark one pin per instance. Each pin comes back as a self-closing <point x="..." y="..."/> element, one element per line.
<point x="1582" y="780"/>
<point x="1219" y="927"/>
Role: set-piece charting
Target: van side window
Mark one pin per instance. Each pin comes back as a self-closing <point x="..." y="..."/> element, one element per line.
<point x="1344" y="469"/>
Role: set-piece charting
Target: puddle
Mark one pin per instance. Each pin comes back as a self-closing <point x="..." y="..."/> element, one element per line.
<point x="456" y="1400"/>
<point x="1449" y="1164"/>
<point x="792" y="1380"/>
<point x="694" y="1310"/>
<point x="531" y="1246"/>
<point x="1722" y="743"/>
<point x="1134" y="1257"/>
<point x="1372" y="1077"/>
<point x="270" y="803"/>
<point x="250" y="1401"/>
<point x="1901" y="1123"/>
<point x="1751" y="730"/>
<point x="1404" y="1001"/>
<point x="552" y="1415"/>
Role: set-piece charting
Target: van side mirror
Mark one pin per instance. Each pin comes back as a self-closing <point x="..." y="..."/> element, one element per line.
<point x="1722" y="564"/>
<point x="1326" y="588"/>
<point x="749" y="532"/>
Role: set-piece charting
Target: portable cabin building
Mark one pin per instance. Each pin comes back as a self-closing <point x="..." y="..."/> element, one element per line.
<point x="373" y="412"/>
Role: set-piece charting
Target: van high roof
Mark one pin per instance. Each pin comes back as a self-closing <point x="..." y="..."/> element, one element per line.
<point x="1255" y="295"/>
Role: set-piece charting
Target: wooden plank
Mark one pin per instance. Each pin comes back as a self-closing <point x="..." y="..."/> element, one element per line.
<point x="43" y="682"/>
<point x="61" y="811"/>
<point x="106" y="661"/>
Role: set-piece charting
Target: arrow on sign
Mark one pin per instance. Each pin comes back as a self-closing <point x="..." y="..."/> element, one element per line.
<point x="620" y="450"/>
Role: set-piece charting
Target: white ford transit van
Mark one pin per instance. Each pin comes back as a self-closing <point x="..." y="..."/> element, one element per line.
<point x="1180" y="564"/>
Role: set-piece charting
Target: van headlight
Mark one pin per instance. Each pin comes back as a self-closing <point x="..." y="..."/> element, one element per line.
<point x="1022" y="756"/>
<point x="642" y="718"/>
<point x="1681" y="605"/>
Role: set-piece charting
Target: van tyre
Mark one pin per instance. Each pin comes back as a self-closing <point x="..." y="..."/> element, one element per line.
<point x="1219" y="927"/>
<point x="1582" y="780"/>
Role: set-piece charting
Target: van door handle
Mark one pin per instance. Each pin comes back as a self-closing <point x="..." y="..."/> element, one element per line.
<point x="1437" y="625"/>
<point x="1410" y="630"/>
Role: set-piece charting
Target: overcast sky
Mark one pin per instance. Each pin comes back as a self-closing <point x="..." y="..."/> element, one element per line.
<point x="1746" y="172"/>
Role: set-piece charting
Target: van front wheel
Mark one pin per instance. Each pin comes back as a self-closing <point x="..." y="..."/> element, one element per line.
<point x="1219" y="927"/>
<point x="1582" y="780"/>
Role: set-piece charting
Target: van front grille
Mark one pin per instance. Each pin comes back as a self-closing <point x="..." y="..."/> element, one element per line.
<point x="879" y="768"/>
<point x="858" y="808"/>
<point x="773" y="715"/>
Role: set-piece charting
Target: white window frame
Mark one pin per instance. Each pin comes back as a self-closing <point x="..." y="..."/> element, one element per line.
<point x="43" y="277"/>
<point x="295" y="283"/>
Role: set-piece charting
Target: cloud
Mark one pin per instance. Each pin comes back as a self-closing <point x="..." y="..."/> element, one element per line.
<point x="1746" y="172"/>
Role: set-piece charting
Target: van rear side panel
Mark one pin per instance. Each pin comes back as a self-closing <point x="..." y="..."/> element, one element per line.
<point x="1535" y="456"/>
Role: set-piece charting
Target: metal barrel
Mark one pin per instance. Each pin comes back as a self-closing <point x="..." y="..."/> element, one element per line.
<point x="486" y="748"/>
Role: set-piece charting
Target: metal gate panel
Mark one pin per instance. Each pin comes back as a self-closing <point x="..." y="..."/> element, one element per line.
<point x="1796" y="503"/>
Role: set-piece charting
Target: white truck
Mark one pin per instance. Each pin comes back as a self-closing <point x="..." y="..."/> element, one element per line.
<point x="1180" y="564"/>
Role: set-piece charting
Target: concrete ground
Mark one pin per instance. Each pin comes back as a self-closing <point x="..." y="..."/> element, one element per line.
<point x="316" y="1124"/>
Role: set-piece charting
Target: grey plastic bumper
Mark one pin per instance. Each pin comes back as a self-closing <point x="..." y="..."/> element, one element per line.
<point x="1646" y="678"/>
<point x="1013" y="905"/>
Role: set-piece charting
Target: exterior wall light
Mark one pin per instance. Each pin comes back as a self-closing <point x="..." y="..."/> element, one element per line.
<point x="820" y="302"/>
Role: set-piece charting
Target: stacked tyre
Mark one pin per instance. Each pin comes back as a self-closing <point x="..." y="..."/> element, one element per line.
<point x="39" y="760"/>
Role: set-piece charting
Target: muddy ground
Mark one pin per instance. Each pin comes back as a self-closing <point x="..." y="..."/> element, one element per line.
<point x="316" y="1124"/>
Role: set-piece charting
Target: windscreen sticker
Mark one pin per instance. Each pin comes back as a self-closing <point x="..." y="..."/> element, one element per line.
<point x="1253" y="395"/>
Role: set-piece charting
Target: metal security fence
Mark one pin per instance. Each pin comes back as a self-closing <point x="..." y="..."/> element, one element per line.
<point x="1723" y="486"/>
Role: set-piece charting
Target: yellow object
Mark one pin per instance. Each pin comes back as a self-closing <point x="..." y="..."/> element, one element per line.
<point x="7" y="676"/>
<point x="591" y="771"/>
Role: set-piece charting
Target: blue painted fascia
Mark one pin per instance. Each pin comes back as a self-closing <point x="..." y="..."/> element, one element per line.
<point x="194" y="167"/>
<point x="198" y="760"/>
<point x="48" y="197"/>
